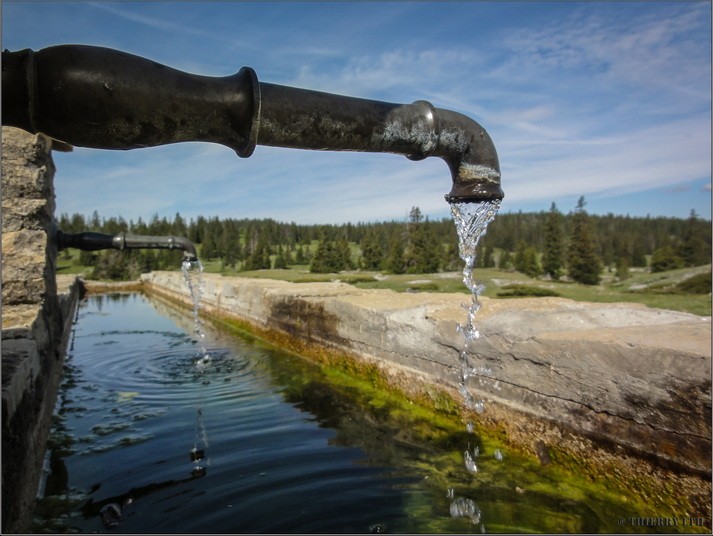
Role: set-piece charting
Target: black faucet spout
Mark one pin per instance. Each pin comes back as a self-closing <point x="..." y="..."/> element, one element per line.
<point x="103" y="98"/>
<point x="90" y="241"/>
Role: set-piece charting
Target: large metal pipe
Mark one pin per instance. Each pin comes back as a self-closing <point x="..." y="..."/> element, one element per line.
<point x="90" y="241"/>
<point x="103" y="98"/>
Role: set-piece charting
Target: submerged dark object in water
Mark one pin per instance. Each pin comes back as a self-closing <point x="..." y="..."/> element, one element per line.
<point x="197" y="455"/>
<point x="110" y="510"/>
<point x="107" y="99"/>
<point x="110" y="515"/>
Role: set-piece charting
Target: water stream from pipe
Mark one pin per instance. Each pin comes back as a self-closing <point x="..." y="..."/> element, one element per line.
<point x="193" y="276"/>
<point x="471" y="221"/>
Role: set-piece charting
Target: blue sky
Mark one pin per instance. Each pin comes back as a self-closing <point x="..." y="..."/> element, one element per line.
<point x="610" y="100"/>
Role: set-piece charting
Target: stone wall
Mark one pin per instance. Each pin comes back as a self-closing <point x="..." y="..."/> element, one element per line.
<point x="35" y="320"/>
<point x="626" y="376"/>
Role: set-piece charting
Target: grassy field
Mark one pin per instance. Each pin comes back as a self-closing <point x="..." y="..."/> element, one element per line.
<point x="657" y="290"/>
<point x="654" y="290"/>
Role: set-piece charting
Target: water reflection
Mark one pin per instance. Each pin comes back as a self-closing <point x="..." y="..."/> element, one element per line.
<point x="291" y="448"/>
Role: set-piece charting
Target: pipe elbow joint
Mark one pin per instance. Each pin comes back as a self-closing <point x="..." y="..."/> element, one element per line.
<point x="189" y="249"/>
<point x="471" y="156"/>
<point x="425" y="130"/>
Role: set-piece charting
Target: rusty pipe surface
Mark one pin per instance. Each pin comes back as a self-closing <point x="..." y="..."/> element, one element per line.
<point x="90" y="241"/>
<point x="103" y="98"/>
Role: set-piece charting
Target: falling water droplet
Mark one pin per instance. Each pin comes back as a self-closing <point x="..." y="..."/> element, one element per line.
<point x="463" y="390"/>
<point x="462" y="507"/>
<point x="470" y="463"/>
<point x="479" y="406"/>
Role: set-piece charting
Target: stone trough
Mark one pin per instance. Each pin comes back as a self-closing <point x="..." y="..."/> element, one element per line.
<point x="626" y="378"/>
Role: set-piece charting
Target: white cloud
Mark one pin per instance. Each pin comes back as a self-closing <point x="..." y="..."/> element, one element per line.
<point x="427" y="73"/>
<point x="640" y="160"/>
<point x="648" y="54"/>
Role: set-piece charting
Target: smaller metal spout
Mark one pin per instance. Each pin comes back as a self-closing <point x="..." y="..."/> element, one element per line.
<point x="96" y="241"/>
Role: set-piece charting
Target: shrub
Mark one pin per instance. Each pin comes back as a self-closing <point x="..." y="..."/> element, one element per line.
<point x="698" y="284"/>
<point x="664" y="259"/>
<point x="353" y="279"/>
<point x="514" y="291"/>
<point x="423" y="287"/>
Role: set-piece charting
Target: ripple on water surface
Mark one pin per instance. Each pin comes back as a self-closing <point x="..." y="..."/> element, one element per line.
<point x="267" y="464"/>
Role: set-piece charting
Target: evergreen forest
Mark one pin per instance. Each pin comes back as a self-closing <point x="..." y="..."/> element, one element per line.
<point x="574" y="246"/>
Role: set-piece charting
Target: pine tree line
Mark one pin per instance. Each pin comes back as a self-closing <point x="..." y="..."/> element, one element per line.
<point x="549" y="243"/>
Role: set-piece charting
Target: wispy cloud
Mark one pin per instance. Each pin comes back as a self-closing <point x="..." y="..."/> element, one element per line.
<point x="637" y="161"/>
<point x="647" y="54"/>
<point x="151" y="22"/>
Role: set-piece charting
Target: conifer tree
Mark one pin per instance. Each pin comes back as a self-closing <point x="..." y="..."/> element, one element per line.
<point x="331" y="256"/>
<point x="211" y="237"/>
<point x="451" y="256"/>
<point x="95" y="223"/>
<point x="179" y="226"/>
<point x="280" y="259"/>
<point x="422" y="254"/>
<point x="584" y="265"/>
<point x="638" y="254"/>
<point x="693" y="250"/>
<point x="195" y="230"/>
<point x="230" y="245"/>
<point x="488" y="258"/>
<point x="526" y="260"/>
<point x="259" y="259"/>
<point x="372" y="251"/>
<point x="622" y="268"/>
<point x="300" y="257"/>
<point x="320" y="260"/>
<point x="342" y="256"/>
<point x="504" y="261"/>
<point x="426" y="250"/>
<point x="553" y="256"/>
<point x="395" y="256"/>
<point x="519" y="260"/>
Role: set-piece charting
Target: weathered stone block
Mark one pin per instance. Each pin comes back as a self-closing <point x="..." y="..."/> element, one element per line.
<point x="33" y="328"/>
<point x="23" y="268"/>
